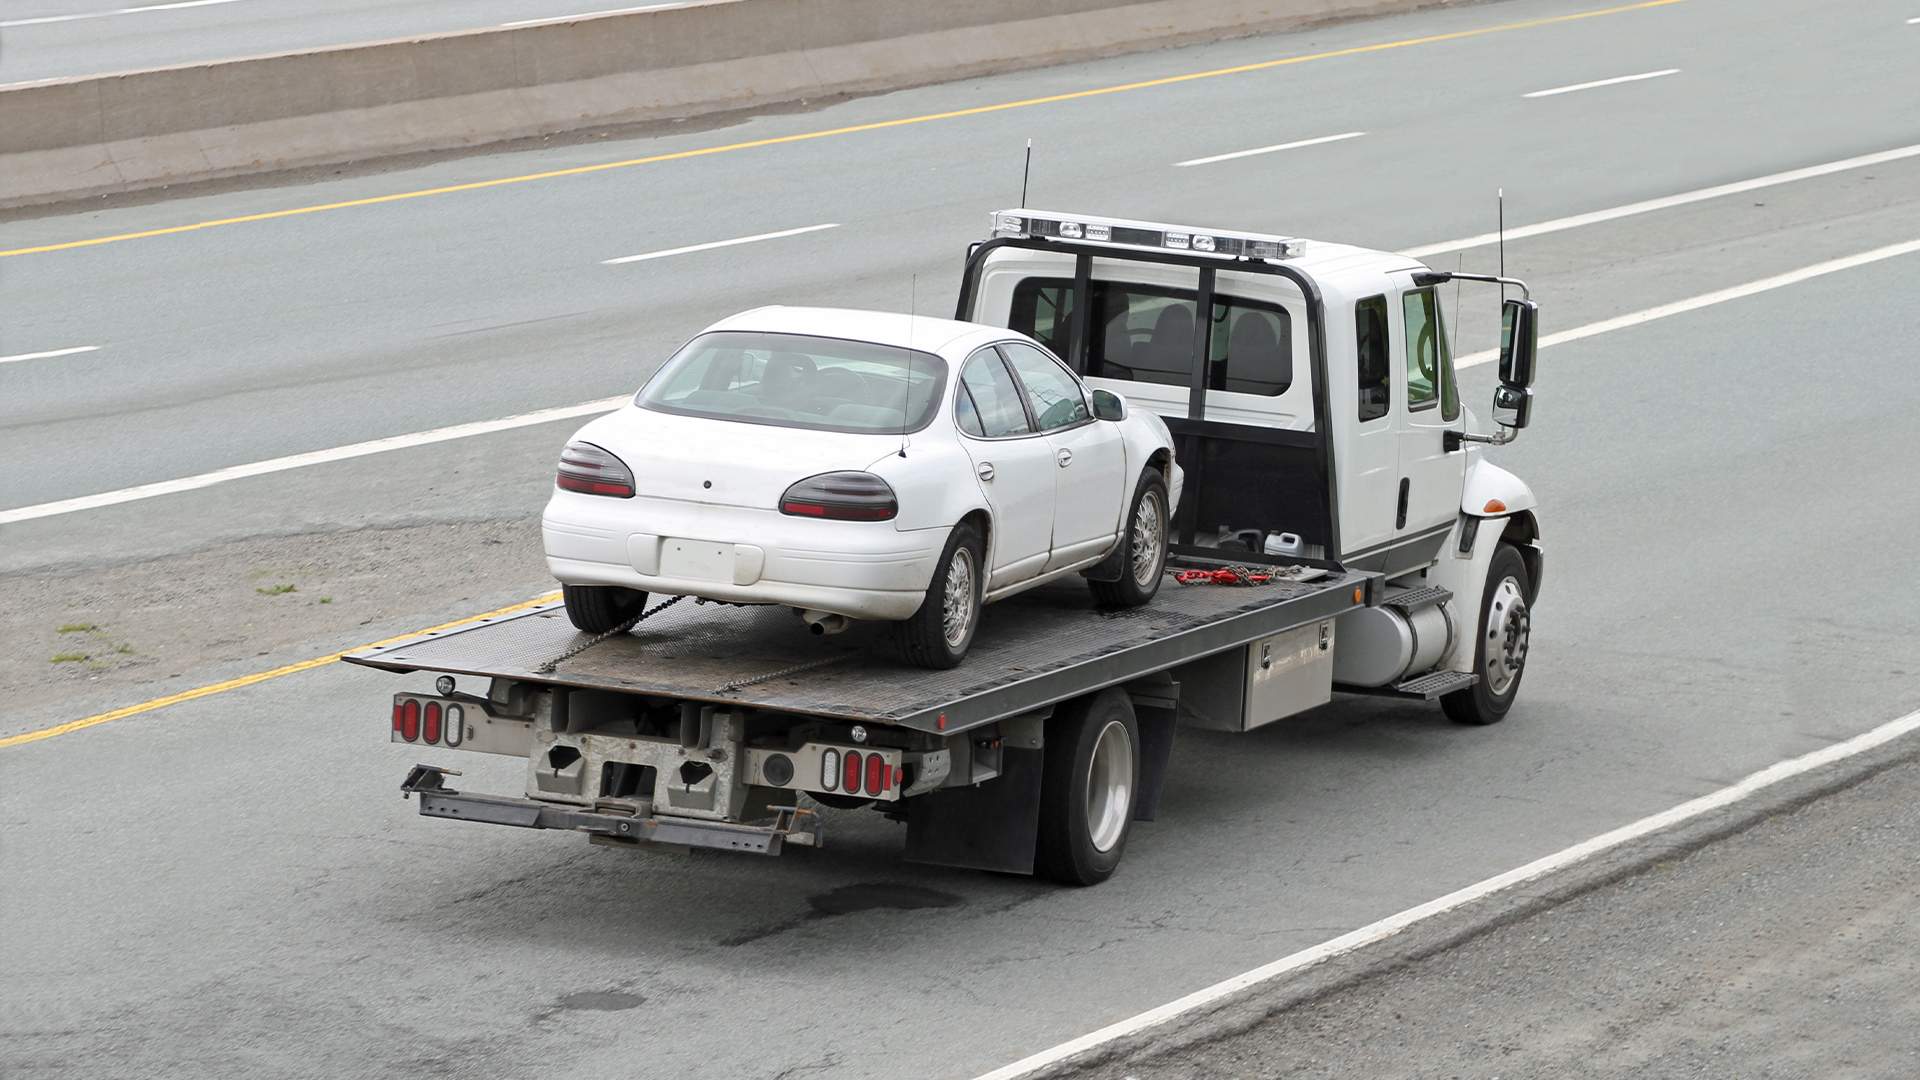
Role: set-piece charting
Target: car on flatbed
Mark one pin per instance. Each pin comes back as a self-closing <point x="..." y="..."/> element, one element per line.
<point x="1340" y="531"/>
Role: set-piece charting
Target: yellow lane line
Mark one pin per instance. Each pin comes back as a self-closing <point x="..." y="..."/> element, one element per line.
<point x="257" y="677"/>
<point x="880" y="125"/>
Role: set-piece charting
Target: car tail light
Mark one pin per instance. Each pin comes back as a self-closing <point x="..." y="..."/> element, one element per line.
<point x="430" y="731"/>
<point x="876" y="774"/>
<point x="590" y="470"/>
<point x="410" y="720"/>
<point x="852" y="778"/>
<point x="841" y="496"/>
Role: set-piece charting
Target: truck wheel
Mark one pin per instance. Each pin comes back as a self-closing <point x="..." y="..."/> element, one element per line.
<point x="1500" y="657"/>
<point x="1090" y="776"/>
<point x="937" y="635"/>
<point x="599" y="608"/>
<point x="1143" y="547"/>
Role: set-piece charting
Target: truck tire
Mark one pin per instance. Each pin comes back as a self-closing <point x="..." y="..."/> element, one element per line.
<point x="1089" y="780"/>
<point x="1500" y="657"/>
<point x="937" y="635"/>
<point x="1143" y="547"/>
<point x="599" y="608"/>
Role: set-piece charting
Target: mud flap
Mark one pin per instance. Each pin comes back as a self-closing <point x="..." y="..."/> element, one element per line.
<point x="1156" y="722"/>
<point x="994" y="826"/>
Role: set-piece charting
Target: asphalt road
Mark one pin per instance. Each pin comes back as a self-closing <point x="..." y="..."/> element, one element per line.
<point x="228" y="886"/>
<point x="50" y="39"/>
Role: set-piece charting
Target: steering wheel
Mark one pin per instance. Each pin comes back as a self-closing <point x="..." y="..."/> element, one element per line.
<point x="1427" y="356"/>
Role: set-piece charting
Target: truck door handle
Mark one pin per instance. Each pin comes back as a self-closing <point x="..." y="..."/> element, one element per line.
<point x="1066" y="458"/>
<point x="1406" y="489"/>
<point x="986" y="472"/>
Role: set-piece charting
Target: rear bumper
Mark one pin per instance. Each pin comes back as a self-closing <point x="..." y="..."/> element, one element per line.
<point x="790" y="825"/>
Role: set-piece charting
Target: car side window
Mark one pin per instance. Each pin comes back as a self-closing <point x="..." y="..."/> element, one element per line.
<point x="1058" y="401"/>
<point x="987" y="404"/>
<point x="1374" y="366"/>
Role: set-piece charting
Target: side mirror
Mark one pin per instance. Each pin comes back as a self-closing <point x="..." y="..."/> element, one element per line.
<point x="1519" y="342"/>
<point x="1108" y="405"/>
<point x="1512" y="406"/>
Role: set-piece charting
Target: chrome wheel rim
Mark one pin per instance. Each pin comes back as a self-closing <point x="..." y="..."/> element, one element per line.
<point x="1149" y="539"/>
<point x="1110" y="786"/>
<point x="957" y="606"/>
<point x="1508" y="626"/>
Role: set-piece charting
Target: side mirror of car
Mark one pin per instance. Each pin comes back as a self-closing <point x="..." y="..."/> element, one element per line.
<point x="1512" y="406"/>
<point x="1519" y="341"/>
<point x="1108" y="405"/>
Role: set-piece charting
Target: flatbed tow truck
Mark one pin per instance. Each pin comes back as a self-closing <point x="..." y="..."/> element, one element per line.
<point x="1340" y="531"/>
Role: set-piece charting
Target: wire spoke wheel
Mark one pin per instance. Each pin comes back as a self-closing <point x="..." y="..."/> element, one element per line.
<point x="1149" y="540"/>
<point x="959" y="605"/>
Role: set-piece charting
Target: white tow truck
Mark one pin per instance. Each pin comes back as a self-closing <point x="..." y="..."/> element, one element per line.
<point x="1340" y="531"/>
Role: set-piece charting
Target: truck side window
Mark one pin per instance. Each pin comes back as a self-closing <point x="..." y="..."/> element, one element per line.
<point x="991" y="397"/>
<point x="1144" y="333"/>
<point x="1423" y="348"/>
<point x="1375" y="365"/>
<point x="1043" y="310"/>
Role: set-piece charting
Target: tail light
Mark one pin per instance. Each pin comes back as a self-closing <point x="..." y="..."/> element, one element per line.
<point x="430" y="730"/>
<point x="841" y="496"/>
<point x="410" y="720"/>
<point x="876" y="774"/>
<point x="851" y="780"/>
<point x="590" y="470"/>
<point x="830" y="770"/>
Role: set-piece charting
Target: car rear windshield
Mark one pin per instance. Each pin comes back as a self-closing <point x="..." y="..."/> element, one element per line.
<point x="795" y="380"/>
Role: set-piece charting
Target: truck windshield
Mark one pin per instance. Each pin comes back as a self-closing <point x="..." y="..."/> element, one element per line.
<point x="795" y="380"/>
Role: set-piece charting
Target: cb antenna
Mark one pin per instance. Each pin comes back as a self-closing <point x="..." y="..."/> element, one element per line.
<point x="1500" y="203"/>
<point x="1025" y="171"/>
<point x="913" y="313"/>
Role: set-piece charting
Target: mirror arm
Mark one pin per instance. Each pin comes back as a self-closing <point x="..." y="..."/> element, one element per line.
<point x="1455" y="439"/>
<point x="1440" y="277"/>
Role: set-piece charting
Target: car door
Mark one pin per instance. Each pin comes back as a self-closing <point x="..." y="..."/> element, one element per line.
<point x="1090" y="480"/>
<point x="1014" y="466"/>
<point x="1430" y="475"/>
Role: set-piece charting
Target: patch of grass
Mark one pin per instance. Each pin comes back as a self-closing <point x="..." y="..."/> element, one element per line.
<point x="276" y="590"/>
<point x="123" y="649"/>
<point x="70" y="658"/>
<point x="78" y="628"/>
<point x="326" y="599"/>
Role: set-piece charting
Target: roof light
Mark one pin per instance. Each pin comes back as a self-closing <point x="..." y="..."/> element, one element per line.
<point x="1045" y="225"/>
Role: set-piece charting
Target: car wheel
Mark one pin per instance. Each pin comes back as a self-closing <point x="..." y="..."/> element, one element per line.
<point x="1500" y="657"/>
<point x="937" y="635"/>
<point x="1143" y="559"/>
<point x="1089" y="780"/>
<point x="599" y="608"/>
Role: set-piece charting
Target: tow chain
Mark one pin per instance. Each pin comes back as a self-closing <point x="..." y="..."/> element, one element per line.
<point x="548" y="667"/>
<point x="741" y="684"/>
<point x="1226" y="575"/>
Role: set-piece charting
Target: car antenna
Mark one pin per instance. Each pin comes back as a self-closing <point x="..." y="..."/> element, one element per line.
<point x="1500" y="203"/>
<point x="913" y="311"/>
<point x="1025" y="171"/>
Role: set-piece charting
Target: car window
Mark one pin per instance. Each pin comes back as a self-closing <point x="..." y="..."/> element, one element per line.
<point x="992" y="407"/>
<point x="800" y="381"/>
<point x="1144" y="333"/>
<point x="1056" y="395"/>
<point x="1374" y="366"/>
<point x="1422" y="348"/>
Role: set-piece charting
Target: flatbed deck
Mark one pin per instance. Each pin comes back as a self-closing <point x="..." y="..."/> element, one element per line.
<point x="1032" y="650"/>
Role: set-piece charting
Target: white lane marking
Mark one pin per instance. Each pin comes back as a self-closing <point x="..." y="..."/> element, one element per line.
<point x="1915" y="21"/>
<point x="1719" y="296"/>
<point x="716" y="244"/>
<point x="594" y="14"/>
<point x="48" y="355"/>
<point x="1376" y="932"/>
<point x="1269" y="149"/>
<point x="1667" y="202"/>
<point x="486" y="427"/>
<point x="314" y="457"/>
<point x="44" y="19"/>
<point x="1602" y="82"/>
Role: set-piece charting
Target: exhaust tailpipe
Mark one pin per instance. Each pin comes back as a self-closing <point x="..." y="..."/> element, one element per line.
<point x="823" y="623"/>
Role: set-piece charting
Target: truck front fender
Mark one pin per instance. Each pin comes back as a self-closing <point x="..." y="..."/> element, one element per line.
<point x="1487" y="484"/>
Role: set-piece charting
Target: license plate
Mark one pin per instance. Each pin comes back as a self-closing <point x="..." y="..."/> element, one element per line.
<point x="699" y="560"/>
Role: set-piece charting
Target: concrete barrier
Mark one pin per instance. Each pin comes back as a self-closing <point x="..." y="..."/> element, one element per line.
<point x="73" y="138"/>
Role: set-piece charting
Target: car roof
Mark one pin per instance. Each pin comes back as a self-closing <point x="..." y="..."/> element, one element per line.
<point x="921" y="332"/>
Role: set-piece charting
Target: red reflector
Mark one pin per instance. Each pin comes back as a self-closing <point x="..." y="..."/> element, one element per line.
<point x="851" y="778"/>
<point x="594" y="487"/>
<point x="432" y="730"/>
<point x="808" y="509"/>
<point x="410" y="720"/>
<point x="899" y="775"/>
<point x="876" y="774"/>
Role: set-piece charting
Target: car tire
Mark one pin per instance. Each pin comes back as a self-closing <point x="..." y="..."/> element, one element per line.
<point x="937" y="635"/>
<point x="599" y="608"/>
<point x="1090" y="777"/>
<point x="1143" y="554"/>
<point x="1505" y="626"/>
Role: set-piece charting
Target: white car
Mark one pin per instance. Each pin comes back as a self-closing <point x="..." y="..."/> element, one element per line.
<point x="861" y="465"/>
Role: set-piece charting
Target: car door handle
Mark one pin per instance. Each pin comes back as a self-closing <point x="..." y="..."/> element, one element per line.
<point x="986" y="471"/>
<point x="1066" y="458"/>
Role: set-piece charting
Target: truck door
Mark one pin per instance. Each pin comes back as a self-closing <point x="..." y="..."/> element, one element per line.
<point x="1370" y="456"/>
<point x="1430" y="475"/>
<point x="1090" y="477"/>
<point x="1014" y="464"/>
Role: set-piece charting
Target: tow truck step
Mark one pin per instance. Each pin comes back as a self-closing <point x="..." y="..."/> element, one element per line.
<point x="1412" y="600"/>
<point x="1434" y="684"/>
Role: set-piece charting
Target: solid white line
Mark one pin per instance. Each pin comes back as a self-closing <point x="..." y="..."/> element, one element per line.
<point x="1269" y="149"/>
<point x="1719" y="296"/>
<point x="716" y="244"/>
<point x="1915" y="21"/>
<point x="1379" y="931"/>
<point x="593" y="14"/>
<point x="1602" y="82"/>
<point x="1667" y="202"/>
<point x="485" y="427"/>
<point x="44" y="19"/>
<point x="314" y="457"/>
<point x="48" y="355"/>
